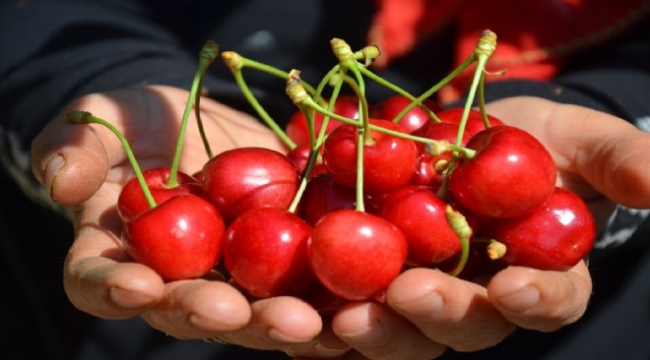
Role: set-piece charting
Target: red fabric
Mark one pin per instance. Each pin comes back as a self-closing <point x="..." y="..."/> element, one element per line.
<point x="534" y="38"/>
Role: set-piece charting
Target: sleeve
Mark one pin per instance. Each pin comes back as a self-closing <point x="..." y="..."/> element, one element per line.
<point x="615" y="80"/>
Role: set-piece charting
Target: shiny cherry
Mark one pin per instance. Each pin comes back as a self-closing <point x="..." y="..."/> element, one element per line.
<point x="511" y="175"/>
<point x="556" y="236"/>
<point x="356" y="255"/>
<point x="180" y="238"/>
<point x="241" y="179"/>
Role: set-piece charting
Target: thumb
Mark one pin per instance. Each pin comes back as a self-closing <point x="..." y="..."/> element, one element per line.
<point x="69" y="160"/>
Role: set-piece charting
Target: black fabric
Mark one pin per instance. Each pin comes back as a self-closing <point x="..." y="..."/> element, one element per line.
<point x="52" y="51"/>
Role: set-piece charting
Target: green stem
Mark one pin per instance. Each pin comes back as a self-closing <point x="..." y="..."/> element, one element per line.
<point x="235" y="63"/>
<point x="84" y="117"/>
<point x="484" y="49"/>
<point x="249" y="63"/>
<point x="441" y="146"/>
<point x="459" y="225"/>
<point x="415" y="101"/>
<point x="208" y="54"/>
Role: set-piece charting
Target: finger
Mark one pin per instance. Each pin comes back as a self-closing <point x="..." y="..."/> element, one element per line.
<point x="541" y="300"/>
<point x="72" y="160"/>
<point x="278" y="323"/>
<point x="69" y="161"/>
<point x="379" y="333"/>
<point x="606" y="152"/>
<point x="195" y="309"/>
<point x="325" y="345"/>
<point x="448" y="310"/>
<point x="99" y="280"/>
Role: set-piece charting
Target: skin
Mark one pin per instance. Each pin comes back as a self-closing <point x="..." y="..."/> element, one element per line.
<point x="83" y="167"/>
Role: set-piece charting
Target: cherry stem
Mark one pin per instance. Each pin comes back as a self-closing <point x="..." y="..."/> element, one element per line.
<point x="495" y="249"/>
<point x="415" y="101"/>
<point x="484" y="49"/>
<point x="209" y="52"/>
<point x="236" y="62"/>
<point x="85" y="117"/>
<point x="459" y="225"/>
<point x="437" y="147"/>
<point x="207" y="55"/>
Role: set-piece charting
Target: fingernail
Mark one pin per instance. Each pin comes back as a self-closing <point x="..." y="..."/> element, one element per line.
<point x="522" y="299"/>
<point x="128" y="299"/>
<point x="51" y="170"/>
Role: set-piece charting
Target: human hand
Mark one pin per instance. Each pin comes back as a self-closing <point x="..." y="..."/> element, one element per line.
<point x="600" y="157"/>
<point x="84" y="168"/>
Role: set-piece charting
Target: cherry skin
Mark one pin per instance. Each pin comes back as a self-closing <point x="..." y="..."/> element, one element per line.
<point x="431" y="169"/>
<point x="297" y="130"/>
<point x="511" y="175"/>
<point x="420" y="214"/>
<point x="265" y="253"/>
<point x="241" y="179"/>
<point x="300" y="157"/>
<point x="388" y="163"/>
<point x="356" y="255"/>
<point x="392" y="106"/>
<point x="554" y="237"/>
<point x="132" y="201"/>
<point x="474" y="122"/>
<point x="180" y="238"/>
<point x="323" y="195"/>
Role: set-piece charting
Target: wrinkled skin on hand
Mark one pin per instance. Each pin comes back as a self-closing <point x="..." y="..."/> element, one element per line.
<point x="84" y="167"/>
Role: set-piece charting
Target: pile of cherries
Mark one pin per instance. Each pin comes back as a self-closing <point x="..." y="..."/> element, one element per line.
<point x="461" y="192"/>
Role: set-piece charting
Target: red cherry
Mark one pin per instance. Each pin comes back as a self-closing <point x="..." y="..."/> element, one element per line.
<point x="554" y="237"/>
<point x="300" y="157"/>
<point x="265" y="253"/>
<point x="511" y="175"/>
<point x="474" y="122"/>
<point x="132" y="201"/>
<point x="420" y="214"/>
<point x="297" y="129"/>
<point x="180" y="238"/>
<point x="388" y="163"/>
<point x="431" y="169"/>
<point x="237" y="180"/>
<point x="392" y="106"/>
<point x="356" y="255"/>
<point x="323" y="195"/>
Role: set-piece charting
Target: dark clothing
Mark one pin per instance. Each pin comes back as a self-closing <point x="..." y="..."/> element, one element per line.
<point x="53" y="51"/>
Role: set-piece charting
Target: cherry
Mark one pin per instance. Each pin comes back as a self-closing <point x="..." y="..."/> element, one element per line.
<point x="300" y="157"/>
<point x="180" y="238"/>
<point x="356" y="255"/>
<point x="323" y="195"/>
<point x="297" y="128"/>
<point x="132" y="200"/>
<point x="431" y="169"/>
<point x="556" y="236"/>
<point x="420" y="214"/>
<point x="392" y="106"/>
<point x="511" y="174"/>
<point x="240" y="179"/>
<point x="474" y="122"/>
<point x="265" y="253"/>
<point x="388" y="162"/>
